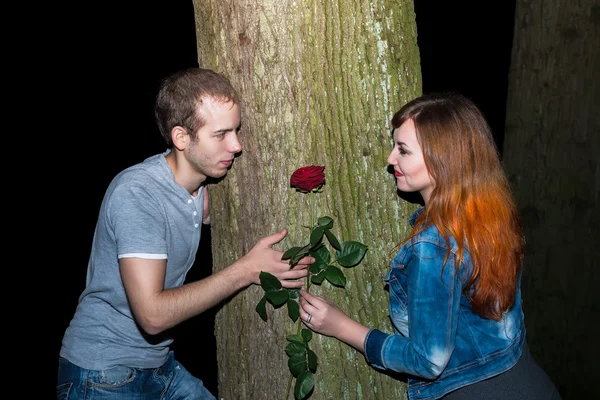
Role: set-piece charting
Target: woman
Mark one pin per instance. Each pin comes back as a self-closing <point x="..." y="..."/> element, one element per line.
<point x="454" y="285"/>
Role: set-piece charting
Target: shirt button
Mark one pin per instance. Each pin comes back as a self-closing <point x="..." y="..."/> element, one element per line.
<point x="196" y="225"/>
<point x="189" y="201"/>
<point x="195" y="213"/>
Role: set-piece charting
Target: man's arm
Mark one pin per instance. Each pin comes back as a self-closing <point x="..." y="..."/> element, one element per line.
<point x="157" y="309"/>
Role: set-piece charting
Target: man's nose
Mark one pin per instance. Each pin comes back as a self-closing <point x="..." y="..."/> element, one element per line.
<point x="234" y="145"/>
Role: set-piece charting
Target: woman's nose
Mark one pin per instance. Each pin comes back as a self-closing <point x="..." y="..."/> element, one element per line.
<point x="391" y="160"/>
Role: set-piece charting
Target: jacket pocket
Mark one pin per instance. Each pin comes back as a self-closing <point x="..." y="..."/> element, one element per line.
<point x="398" y="297"/>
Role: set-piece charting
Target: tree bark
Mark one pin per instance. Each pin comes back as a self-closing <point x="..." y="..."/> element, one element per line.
<point x="551" y="154"/>
<point x="319" y="84"/>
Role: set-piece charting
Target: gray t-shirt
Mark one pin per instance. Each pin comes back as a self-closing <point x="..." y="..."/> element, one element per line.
<point x="144" y="214"/>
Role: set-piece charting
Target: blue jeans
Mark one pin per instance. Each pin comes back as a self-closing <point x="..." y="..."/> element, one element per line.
<point x="171" y="381"/>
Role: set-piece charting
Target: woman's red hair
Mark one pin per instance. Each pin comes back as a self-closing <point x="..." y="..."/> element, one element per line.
<point x="471" y="201"/>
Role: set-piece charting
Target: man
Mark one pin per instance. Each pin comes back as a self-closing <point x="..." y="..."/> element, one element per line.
<point x="146" y="238"/>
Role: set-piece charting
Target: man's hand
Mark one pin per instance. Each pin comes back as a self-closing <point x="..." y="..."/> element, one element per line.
<point x="263" y="257"/>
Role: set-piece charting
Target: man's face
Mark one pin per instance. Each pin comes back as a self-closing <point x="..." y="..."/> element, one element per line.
<point x="216" y="144"/>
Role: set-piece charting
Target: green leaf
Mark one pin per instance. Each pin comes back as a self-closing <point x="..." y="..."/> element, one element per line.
<point x="295" y="338"/>
<point x="332" y="239"/>
<point x="289" y="253"/>
<point x="297" y="364"/>
<point x="268" y="282"/>
<point x="293" y="293"/>
<point x="351" y="253"/>
<point x="315" y="268"/>
<point x="277" y="298"/>
<point x="325" y="222"/>
<point x="305" y="383"/>
<point x="295" y="348"/>
<point x="306" y="335"/>
<point x="293" y="309"/>
<point x="313" y="360"/>
<point x="261" y="308"/>
<point x="322" y="257"/>
<point x="318" y="278"/>
<point x="304" y="251"/>
<point x="335" y="276"/>
<point x="315" y="236"/>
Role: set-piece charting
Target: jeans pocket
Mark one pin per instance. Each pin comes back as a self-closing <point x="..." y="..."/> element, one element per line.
<point x="62" y="391"/>
<point x="114" y="377"/>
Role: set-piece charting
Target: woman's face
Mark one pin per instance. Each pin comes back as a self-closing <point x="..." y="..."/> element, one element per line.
<point x="407" y="159"/>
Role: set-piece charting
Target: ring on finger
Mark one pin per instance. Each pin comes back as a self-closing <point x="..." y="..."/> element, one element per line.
<point x="309" y="318"/>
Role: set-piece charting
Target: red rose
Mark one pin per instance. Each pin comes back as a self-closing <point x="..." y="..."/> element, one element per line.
<point x="309" y="178"/>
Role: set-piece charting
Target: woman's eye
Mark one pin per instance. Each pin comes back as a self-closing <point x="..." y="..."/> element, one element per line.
<point x="401" y="150"/>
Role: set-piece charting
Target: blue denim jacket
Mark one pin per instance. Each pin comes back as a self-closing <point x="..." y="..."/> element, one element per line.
<point x="439" y="343"/>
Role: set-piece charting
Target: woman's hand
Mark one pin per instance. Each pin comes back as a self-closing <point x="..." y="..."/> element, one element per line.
<point x="320" y="315"/>
<point x="328" y="319"/>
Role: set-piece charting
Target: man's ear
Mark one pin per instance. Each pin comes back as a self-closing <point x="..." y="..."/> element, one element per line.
<point x="180" y="137"/>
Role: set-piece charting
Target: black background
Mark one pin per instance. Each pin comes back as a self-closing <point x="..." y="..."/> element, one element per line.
<point x="111" y="57"/>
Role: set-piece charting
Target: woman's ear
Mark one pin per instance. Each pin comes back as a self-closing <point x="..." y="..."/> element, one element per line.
<point x="180" y="137"/>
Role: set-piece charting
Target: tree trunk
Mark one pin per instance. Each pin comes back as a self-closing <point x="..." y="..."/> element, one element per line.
<point x="551" y="154"/>
<point x="319" y="84"/>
